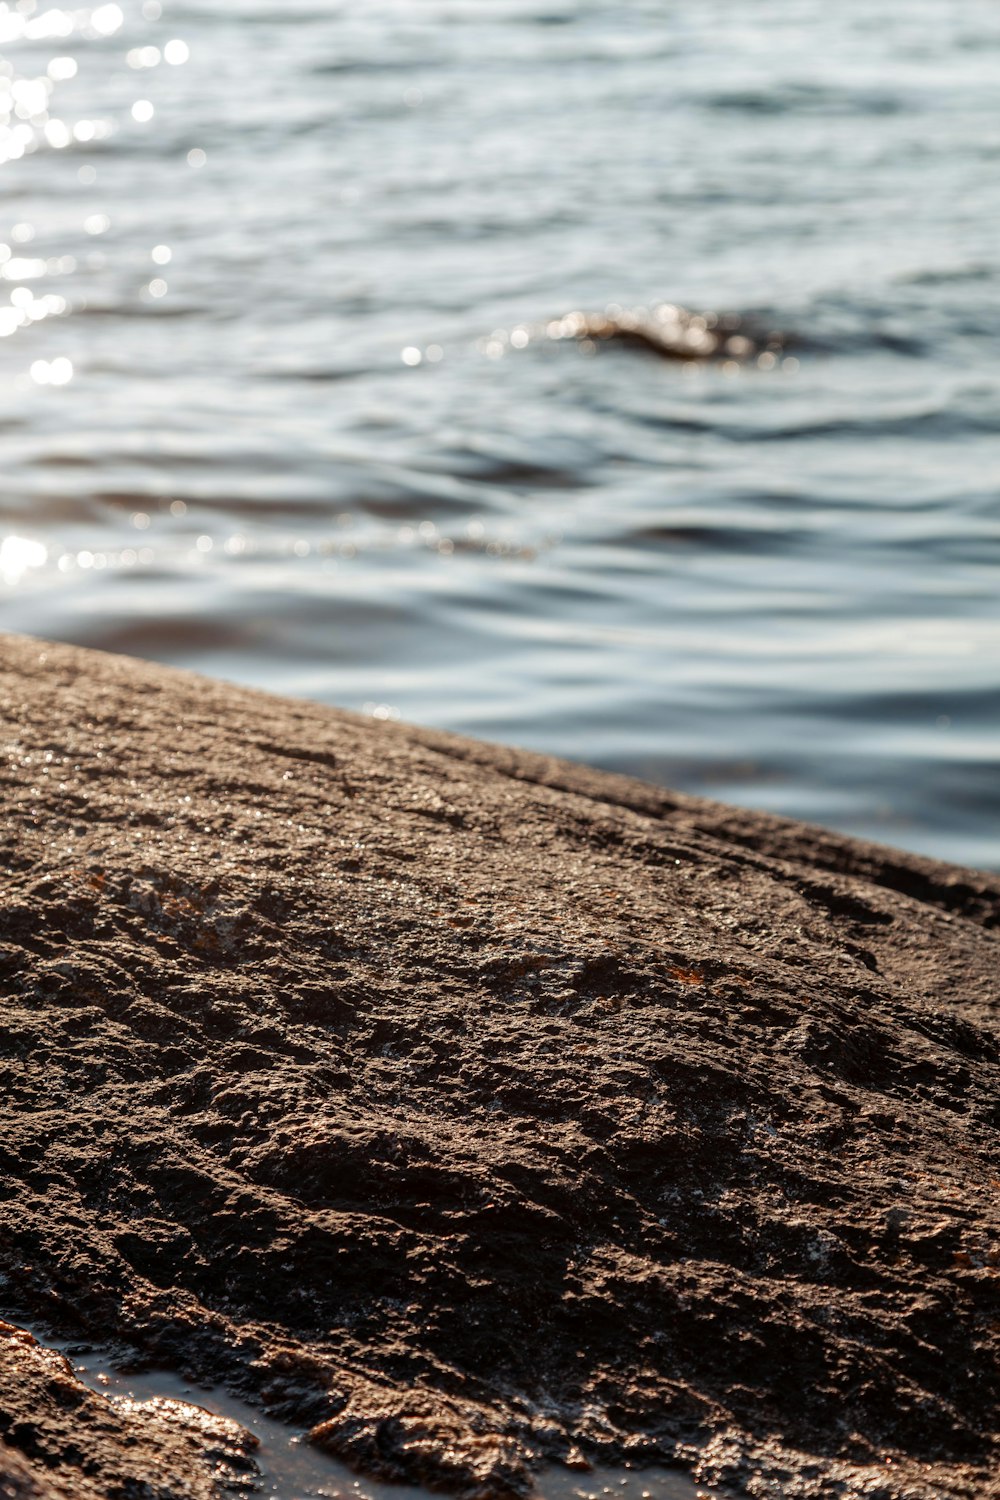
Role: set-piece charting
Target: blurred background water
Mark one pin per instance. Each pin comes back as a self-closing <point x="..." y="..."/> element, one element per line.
<point x="263" y="415"/>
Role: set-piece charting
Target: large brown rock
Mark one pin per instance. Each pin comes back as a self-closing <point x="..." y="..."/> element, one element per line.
<point x="476" y="1108"/>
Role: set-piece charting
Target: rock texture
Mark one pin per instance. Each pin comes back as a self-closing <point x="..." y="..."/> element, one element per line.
<point x="60" y="1441"/>
<point x="476" y="1108"/>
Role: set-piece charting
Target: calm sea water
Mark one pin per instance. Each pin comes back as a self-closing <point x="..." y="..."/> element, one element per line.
<point x="262" y="415"/>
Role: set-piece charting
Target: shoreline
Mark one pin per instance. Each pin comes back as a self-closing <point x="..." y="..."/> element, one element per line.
<point x="242" y="1439"/>
<point x="478" y="1111"/>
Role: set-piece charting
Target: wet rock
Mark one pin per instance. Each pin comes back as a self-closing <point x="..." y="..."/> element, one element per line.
<point x="18" y="1481"/>
<point x="472" y="1109"/>
<point x="61" y="1441"/>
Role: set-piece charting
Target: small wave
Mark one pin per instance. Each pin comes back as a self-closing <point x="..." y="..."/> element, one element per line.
<point x="805" y="99"/>
<point x="142" y="311"/>
<point x="318" y="375"/>
<point x="507" y="471"/>
<point x="926" y="423"/>
<point x="945" y="276"/>
<point x="902" y="318"/>
<point x="349" y="66"/>
<point x="70" y="460"/>
<point x="667" y="330"/>
<point x="723" y="537"/>
<point x="249" y="506"/>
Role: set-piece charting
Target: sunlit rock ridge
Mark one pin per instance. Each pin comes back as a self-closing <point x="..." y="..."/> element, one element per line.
<point x="478" y="1111"/>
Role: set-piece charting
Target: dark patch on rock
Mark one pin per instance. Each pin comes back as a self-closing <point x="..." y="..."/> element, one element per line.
<point x="475" y="1108"/>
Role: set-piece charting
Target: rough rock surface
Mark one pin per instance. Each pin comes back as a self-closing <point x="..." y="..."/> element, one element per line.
<point x="476" y="1108"/>
<point x="60" y="1441"/>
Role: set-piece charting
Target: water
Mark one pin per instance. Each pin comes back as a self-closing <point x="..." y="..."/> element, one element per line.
<point x="262" y="415"/>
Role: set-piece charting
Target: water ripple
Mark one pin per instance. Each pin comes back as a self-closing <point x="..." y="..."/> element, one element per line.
<point x="290" y="394"/>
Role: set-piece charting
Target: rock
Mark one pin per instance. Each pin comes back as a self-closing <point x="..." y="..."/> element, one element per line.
<point x="476" y="1109"/>
<point x="61" y="1441"/>
<point x="18" y="1481"/>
